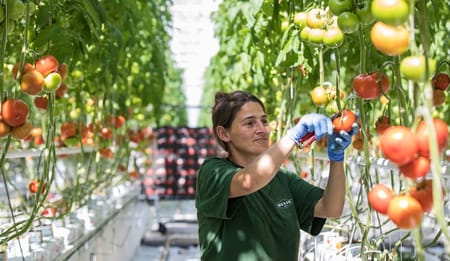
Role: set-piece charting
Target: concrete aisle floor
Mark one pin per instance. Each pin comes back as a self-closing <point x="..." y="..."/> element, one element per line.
<point x="172" y="235"/>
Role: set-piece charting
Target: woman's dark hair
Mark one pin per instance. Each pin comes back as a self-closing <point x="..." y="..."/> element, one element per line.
<point x="226" y="107"/>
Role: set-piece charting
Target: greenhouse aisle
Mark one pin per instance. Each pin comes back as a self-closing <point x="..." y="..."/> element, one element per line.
<point x="172" y="234"/>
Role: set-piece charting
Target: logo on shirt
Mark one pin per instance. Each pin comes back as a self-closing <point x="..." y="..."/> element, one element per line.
<point x="284" y="203"/>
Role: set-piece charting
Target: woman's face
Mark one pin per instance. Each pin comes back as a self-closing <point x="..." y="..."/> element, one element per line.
<point x="249" y="132"/>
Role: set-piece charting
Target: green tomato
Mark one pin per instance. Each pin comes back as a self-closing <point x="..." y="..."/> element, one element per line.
<point x="339" y="6"/>
<point x="364" y="13"/>
<point x="333" y="37"/>
<point x="348" y="22"/>
<point x="284" y="25"/>
<point x="414" y="67"/>
<point x="304" y="34"/>
<point x="315" y="36"/>
<point x="391" y="12"/>
<point x="52" y="82"/>
<point x="300" y="19"/>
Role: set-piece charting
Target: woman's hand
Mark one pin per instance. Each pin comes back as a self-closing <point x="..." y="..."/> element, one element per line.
<point x="319" y="124"/>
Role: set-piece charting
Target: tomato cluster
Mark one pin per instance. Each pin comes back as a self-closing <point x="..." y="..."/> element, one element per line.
<point x="319" y="28"/>
<point x="326" y="95"/>
<point x="404" y="209"/>
<point x="14" y="119"/>
<point x="409" y="150"/>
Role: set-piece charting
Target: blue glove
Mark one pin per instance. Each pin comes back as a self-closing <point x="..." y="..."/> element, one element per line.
<point x="313" y="122"/>
<point x="339" y="141"/>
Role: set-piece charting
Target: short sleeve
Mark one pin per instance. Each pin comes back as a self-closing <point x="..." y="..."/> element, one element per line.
<point x="306" y="196"/>
<point x="213" y="188"/>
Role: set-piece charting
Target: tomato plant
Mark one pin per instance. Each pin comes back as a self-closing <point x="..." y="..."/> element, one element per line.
<point x="14" y="112"/>
<point x="344" y="121"/>
<point x="422" y="136"/>
<point x="390" y="40"/>
<point x="379" y="197"/>
<point x="393" y="12"/>
<point x="405" y="211"/>
<point x="417" y="168"/>
<point x="398" y="145"/>
<point x="415" y="67"/>
<point x="370" y="86"/>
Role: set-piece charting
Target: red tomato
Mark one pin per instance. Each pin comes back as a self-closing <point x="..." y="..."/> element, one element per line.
<point x="423" y="192"/>
<point x="41" y="102"/>
<point x="14" y="112"/>
<point x="344" y="121"/>
<point x="106" y="153"/>
<point x="439" y="97"/>
<point x="370" y="86"/>
<point x="422" y="136"/>
<point x="390" y="40"/>
<point x="398" y="145"/>
<point x="382" y="124"/>
<point x="379" y="197"/>
<point x="106" y="133"/>
<point x="34" y="186"/>
<point x="417" y="168"/>
<point x="405" y="211"/>
<point x="68" y="130"/>
<point x="61" y="91"/>
<point x="47" y="64"/>
<point x="441" y="81"/>
<point x="62" y="70"/>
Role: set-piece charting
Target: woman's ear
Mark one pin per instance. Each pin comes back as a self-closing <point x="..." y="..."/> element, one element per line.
<point x="222" y="134"/>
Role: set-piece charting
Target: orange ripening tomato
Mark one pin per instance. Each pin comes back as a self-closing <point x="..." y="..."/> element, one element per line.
<point x="32" y="82"/>
<point x="27" y="67"/>
<point x="5" y="129"/>
<point x="379" y="197"/>
<point x="390" y="40"/>
<point x="34" y="185"/>
<point x="405" y="211"/>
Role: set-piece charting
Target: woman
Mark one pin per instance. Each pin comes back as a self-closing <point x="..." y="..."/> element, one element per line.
<point x="248" y="207"/>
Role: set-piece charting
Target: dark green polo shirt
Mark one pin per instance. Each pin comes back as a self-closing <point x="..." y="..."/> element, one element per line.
<point x="261" y="226"/>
